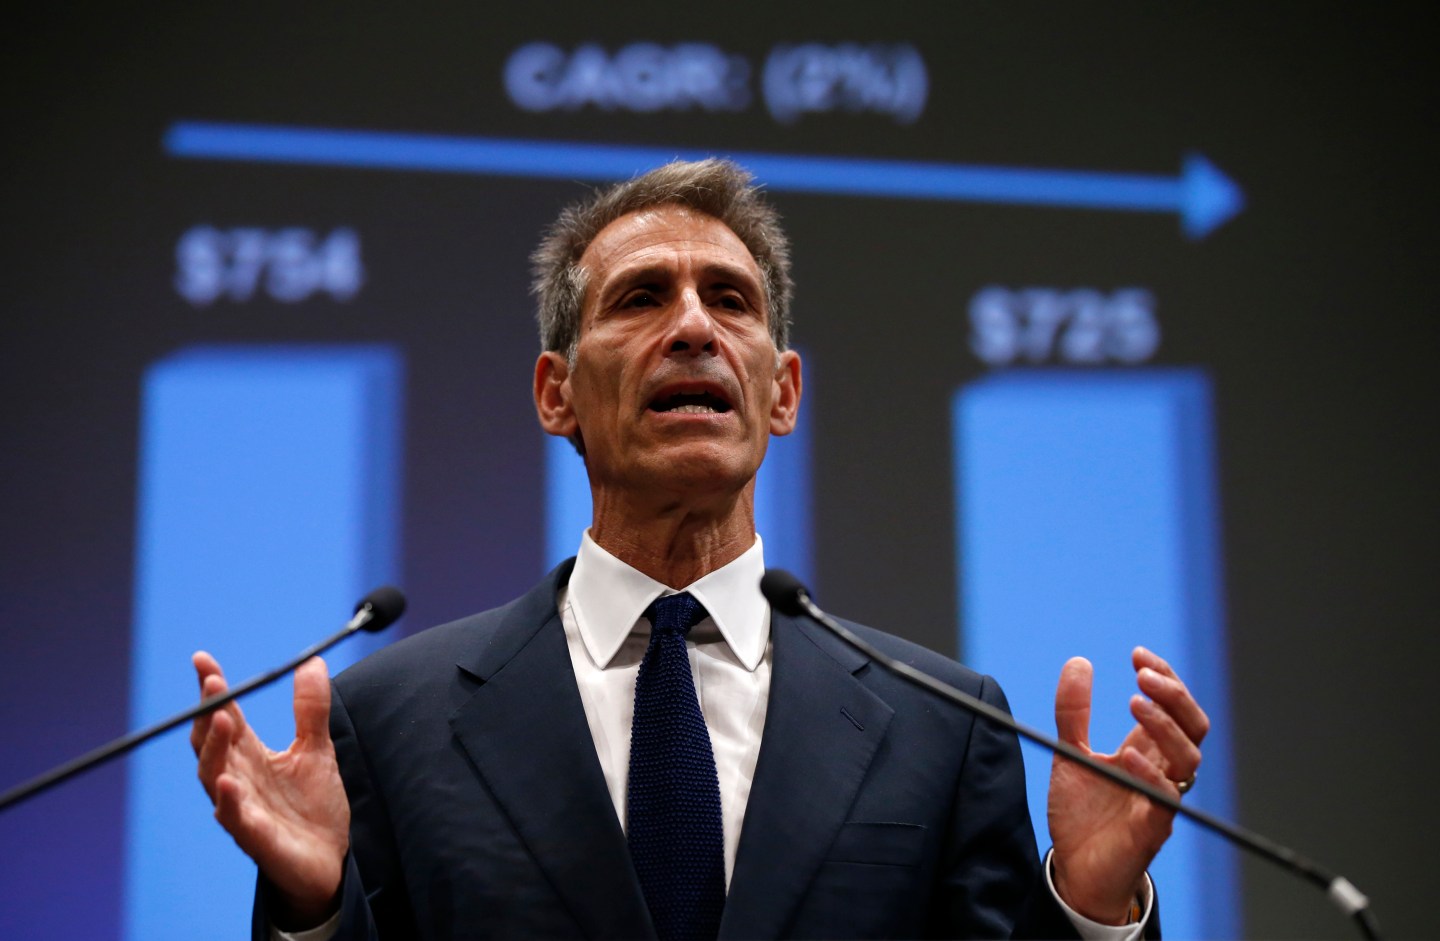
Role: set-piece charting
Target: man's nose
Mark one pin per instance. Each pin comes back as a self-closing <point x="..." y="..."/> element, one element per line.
<point x="692" y="330"/>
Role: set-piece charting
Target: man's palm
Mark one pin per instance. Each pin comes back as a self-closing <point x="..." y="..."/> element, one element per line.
<point x="287" y="810"/>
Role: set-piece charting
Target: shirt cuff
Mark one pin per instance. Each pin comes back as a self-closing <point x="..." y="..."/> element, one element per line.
<point x="327" y="931"/>
<point x="1094" y="930"/>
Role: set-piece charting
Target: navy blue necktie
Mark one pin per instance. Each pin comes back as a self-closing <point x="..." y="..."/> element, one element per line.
<point x="673" y="797"/>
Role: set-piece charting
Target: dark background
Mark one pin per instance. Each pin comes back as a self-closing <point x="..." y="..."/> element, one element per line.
<point x="1312" y="311"/>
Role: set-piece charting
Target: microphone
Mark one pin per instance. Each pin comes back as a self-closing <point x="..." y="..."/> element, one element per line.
<point x="375" y="612"/>
<point x="787" y="594"/>
<point x="379" y="609"/>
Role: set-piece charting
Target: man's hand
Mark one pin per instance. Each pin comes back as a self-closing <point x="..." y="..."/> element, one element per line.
<point x="1104" y="835"/>
<point x="287" y="810"/>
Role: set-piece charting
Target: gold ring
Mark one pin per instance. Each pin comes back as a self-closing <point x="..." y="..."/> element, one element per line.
<point x="1184" y="786"/>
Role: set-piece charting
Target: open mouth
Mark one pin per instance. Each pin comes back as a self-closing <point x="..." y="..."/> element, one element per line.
<point x="691" y="403"/>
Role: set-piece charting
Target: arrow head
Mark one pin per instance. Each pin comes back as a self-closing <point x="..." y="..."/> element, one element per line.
<point x="1210" y="198"/>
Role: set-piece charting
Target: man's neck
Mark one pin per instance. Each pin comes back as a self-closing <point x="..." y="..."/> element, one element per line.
<point x="676" y="545"/>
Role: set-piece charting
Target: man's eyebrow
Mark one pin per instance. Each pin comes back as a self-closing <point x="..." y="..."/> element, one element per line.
<point x="627" y="278"/>
<point x="653" y="274"/>
<point x="731" y="275"/>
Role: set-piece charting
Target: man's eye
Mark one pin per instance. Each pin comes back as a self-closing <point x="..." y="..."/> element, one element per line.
<point x="640" y="299"/>
<point x="732" y="302"/>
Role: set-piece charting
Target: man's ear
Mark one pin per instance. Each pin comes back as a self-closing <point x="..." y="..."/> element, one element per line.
<point x="785" y="405"/>
<point x="552" y="395"/>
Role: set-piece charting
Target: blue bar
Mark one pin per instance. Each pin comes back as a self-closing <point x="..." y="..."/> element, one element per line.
<point x="567" y="500"/>
<point x="1088" y="524"/>
<point x="269" y="504"/>
<point x="1202" y="195"/>
<point x="782" y="500"/>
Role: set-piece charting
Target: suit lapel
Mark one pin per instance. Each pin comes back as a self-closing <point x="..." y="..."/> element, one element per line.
<point x="822" y="728"/>
<point x="525" y="730"/>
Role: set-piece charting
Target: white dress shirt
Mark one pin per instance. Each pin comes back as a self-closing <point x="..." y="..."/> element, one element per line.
<point x="602" y="610"/>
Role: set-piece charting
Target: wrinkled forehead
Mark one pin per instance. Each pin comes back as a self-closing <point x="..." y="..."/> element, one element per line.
<point x="665" y="234"/>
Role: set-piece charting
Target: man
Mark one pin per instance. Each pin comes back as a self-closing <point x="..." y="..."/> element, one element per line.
<point x="502" y="772"/>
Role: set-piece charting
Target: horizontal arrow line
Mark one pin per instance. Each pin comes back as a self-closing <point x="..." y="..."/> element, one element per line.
<point x="1201" y="195"/>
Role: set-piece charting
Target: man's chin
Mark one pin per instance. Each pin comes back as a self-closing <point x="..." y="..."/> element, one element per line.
<point x="706" y="466"/>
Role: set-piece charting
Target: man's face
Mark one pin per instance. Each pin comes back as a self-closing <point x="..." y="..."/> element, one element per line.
<point x="676" y="384"/>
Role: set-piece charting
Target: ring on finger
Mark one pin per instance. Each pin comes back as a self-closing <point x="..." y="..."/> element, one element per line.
<point x="1184" y="786"/>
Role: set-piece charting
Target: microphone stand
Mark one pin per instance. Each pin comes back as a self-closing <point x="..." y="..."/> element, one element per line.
<point x="371" y="615"/>
<point x="1350" y="900"/>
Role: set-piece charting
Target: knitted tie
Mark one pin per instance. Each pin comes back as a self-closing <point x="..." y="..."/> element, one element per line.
<point x="673" y="798"/>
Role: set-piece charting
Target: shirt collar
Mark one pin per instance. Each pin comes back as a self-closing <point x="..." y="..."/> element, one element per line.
<point x="608" y="597"/>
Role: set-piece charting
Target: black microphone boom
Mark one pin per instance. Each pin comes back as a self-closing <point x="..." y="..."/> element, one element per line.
<point x="787" y="595"/>
<point x="375" y="612"/>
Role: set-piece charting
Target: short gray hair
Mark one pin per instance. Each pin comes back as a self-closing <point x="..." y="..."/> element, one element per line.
<point x="718" y="188"/>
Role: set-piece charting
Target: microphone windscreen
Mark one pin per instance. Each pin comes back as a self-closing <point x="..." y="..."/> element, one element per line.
<point x="386" y="604"/>
<point x="783" y="591"/>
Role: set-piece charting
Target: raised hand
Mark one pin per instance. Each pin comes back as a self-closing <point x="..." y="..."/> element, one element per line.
<point x="287" y="810"/>
<point x="1106" y="836"/>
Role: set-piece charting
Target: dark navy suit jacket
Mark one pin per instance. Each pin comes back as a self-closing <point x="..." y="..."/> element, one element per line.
<point x="479" y="808"/>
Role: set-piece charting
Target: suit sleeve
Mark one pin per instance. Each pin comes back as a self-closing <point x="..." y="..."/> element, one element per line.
<point x="991" y="881"/>
<point x="994" y="883"/>
<point x="373" y="905"/>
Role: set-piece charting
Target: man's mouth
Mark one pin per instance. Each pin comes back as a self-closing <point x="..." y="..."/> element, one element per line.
<point x="691" y="403"/>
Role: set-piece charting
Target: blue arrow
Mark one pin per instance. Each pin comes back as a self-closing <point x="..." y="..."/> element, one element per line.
<point x="1203" y="197"/>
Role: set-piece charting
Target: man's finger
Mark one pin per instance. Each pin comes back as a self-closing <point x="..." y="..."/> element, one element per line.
<point x="205" y="665"/>
<point x="215" y="686"/>
<point x="1145" y="657"/>
<point x="199" y="729"/>
<point x="236" y="812"/>
<point x="212" y="683"/>
<point x="214" y="754"/>
<point x="1161" y="819"/>
<point x="1072" y="702"/>
<point x="312" y="703"/>
<point x="1135" y="761"/>
<point x="1170" y="692"/>
<point x="1178" y="751"/>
